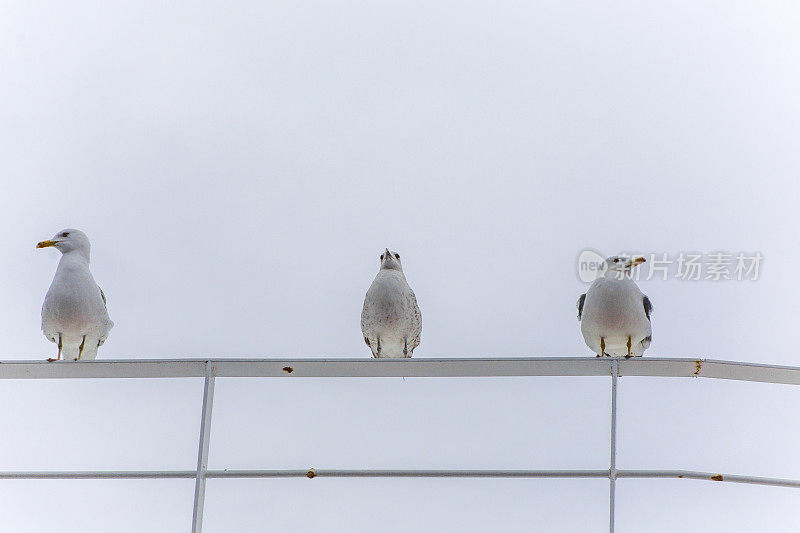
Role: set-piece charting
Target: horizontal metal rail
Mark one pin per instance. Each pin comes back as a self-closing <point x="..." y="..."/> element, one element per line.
<point x="424" y="368"/>
<point x="370" y="368"/>
<point x="100" y="474"/>
<point x="707" y="476"/>
<point x="308" y="473"/>
<point x="339" y="473"/>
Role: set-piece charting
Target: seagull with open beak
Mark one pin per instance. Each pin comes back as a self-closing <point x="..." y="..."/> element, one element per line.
<point x="390" y="319"/>
<point x="614" y="313"/>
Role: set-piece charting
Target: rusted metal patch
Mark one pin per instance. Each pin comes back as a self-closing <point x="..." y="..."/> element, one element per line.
<point x="718" y="477"/>
<point x="311" y="474"/>
<point x="288" y="369"/>
<point x="697" y="366"/>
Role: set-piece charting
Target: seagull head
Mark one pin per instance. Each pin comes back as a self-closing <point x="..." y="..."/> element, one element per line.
<point x="617" y="266"/>
<point x="391" y="260"/>
<point x="68" y="240"/>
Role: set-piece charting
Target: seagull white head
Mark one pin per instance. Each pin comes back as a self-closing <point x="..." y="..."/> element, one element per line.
<point x="617" y="266"/>
<point x="391" y="260"/>
<point x="69" y="240"/>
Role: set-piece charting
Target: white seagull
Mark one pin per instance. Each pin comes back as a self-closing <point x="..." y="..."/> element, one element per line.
<point x="74" y="314"/>
<point x="390" y="320"/>
<point x="614" y="314"/>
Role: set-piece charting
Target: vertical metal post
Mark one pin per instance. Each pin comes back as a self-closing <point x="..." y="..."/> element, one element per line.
<point x="612" y="471"/>
<point x="202" y="453"/>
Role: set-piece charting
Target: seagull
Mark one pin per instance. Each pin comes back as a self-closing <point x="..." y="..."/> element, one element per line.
<point x="614" y="314"/>
<point x="391" y="321"/>
<point x="74" y="314"/>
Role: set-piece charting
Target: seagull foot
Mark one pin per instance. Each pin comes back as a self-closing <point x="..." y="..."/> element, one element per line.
<point x="51" y="359"/>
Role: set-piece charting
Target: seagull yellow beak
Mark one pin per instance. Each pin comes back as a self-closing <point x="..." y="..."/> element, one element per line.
<point x="638" y="261"/>
<point x="46" y="244"/>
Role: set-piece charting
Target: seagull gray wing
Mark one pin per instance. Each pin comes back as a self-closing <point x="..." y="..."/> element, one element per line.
<point x="582" y="299"/>
<point x="103" y="337"/>
<point x="648" y="307"/>
<point x="416" y="335"/>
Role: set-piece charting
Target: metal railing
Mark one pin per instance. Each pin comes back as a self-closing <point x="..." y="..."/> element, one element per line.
<point x="210" y="369"/>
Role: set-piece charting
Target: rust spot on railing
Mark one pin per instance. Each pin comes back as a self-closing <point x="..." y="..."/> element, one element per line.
<point x="311" y="474"/>
<point x="697" y="366"/>
<point x="288" y="369"/>
<point x="718" y="477"/>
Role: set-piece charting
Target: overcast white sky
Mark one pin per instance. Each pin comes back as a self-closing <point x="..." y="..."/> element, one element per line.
<point x="239" y="166"/>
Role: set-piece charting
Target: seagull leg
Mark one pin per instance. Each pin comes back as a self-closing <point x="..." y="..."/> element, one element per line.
<point x="80" y="348"/>
<point x="629" y="346"/>
<point x="59" y="350"/>
<point x="405" y="347"/>
<point x="602" y="346"/>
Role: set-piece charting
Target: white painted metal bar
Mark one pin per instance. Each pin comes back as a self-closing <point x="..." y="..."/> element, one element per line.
<point x="202" y="452"/>
<point x="612" y="470"/>
<point x="707" y="476"/>
<point x="309" y="473"/>
<point x="363" y="367"/>
<point x="314" y="473"/>
<point x="339" y="473"/>
<point x="100" y="474"/>
<point x="370" y="368"/>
